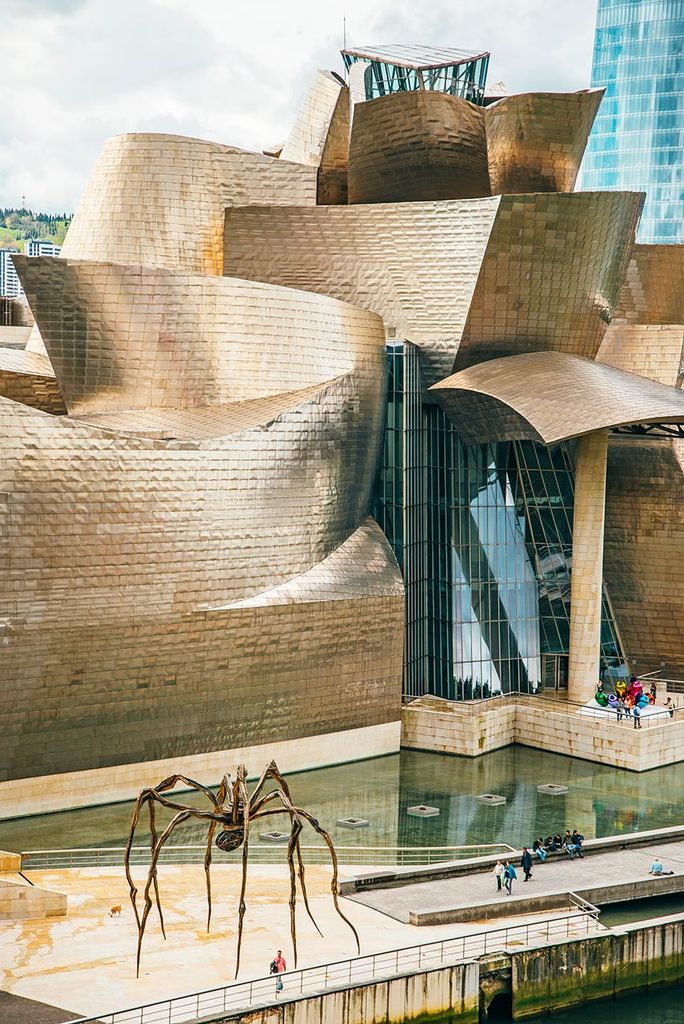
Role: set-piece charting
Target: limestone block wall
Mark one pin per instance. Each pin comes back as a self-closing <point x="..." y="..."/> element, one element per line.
<point x="470" y="731"/>
<point x="21" y="901"/>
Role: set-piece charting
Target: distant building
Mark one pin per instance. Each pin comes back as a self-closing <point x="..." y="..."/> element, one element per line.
<point x="638" y="137"/>
<point x="9" y="282"/>
<point x="41" y="247"/>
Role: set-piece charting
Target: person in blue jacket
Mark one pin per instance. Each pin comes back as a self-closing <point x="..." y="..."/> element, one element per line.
<point x="526" y="863"/>
<point x="509" y="874"/>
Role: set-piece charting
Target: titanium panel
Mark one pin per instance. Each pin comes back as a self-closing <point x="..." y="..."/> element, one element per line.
<point x="320" y="136"/>
<point x="652" y="291"/>
<point x="644" y="541"/>
<point x="139" y="338"/>
<point x="159" y="200"/>
<point x="551" y="275"/>
<point x="464" y="280"/>
<point x="417" y="146"/>
<point x="550" y="397"/>
<point x="28" y="378"/>
<point x="536" y="141"/>
<point x="390" y="258"/>
<point x="118" y="689"/>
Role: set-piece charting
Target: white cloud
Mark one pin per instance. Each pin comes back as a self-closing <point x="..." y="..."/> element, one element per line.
<point x="74" y="72"/>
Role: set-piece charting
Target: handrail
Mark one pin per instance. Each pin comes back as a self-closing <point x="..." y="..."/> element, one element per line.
<point x="308" y="981"/>
<point x="102" y="856"/>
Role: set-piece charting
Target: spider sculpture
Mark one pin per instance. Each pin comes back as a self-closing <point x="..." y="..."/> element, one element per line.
<point x="232" y="810"/>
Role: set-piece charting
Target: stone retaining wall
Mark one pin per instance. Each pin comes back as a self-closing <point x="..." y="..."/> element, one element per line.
<point x="453" y="991"/>
<point x="473" y="729"/>
<point x="570" y="973"/>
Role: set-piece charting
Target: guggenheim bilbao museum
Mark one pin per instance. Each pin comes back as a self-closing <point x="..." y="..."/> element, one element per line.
<point x="389" y="408"/>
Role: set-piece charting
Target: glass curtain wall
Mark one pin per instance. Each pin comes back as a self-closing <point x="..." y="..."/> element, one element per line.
<point x="466" y="79"/>
<point x="483" y="534"/>
<point x="638" y="137"/>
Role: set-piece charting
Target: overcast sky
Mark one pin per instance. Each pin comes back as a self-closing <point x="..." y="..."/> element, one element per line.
<point x="73" y="72"/>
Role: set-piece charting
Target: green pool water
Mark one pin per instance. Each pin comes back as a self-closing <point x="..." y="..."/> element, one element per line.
<point x="600" y="801"/>
<point x="658" y="1006"/>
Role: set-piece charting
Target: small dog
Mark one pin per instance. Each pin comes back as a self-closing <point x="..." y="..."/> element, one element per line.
<point x="115" y="911"/>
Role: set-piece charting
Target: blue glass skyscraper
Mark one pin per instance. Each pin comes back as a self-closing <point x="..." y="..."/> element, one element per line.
<point x="638" y="136"/>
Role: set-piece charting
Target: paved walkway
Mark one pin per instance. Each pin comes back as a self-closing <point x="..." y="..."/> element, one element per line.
<point x="16" y="1010"/>
<point x="558" y="875"/>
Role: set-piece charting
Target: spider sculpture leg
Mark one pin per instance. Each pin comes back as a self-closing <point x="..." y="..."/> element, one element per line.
<point x="297" y="816"/>
<point x="333" y="857"/>
<point x="242" y="796"/>
<point x="272" y="772"/>
<point x="220" y="799"/>
<point x="153" y="842"/>
<point x="148" y="796"/>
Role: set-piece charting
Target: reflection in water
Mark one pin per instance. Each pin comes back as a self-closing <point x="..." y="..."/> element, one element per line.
<point x="600" y="801"/>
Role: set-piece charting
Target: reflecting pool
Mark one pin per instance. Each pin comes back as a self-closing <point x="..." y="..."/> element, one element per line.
<point x="600" y="801"/>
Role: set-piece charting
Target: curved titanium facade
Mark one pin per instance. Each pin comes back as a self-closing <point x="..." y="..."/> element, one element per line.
<point x="536" y="141"/>
<point x="209" y="579"/>
<point x="159" y="200"/>
<point x="644" y="518"/>
<point x="464" y="280"/>
<point x="637" y="140"/>
<point x="550" y="397"/>
<point x="320" y="136"/>
<point x="415" y="146"/>
<point x="28" y="378"/>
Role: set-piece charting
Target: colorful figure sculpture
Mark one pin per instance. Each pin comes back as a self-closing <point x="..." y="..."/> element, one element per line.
<point x="601" y="698"/>
<point x="612" y="700"/>
<point x="621" y="687"/>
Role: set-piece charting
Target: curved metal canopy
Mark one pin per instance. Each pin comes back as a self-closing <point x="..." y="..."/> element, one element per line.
<point x="550" y="397"/>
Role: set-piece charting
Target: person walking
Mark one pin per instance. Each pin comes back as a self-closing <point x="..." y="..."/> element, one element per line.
<point x="278" y="967"/>
<point x="620" y="708"/>
<point x="499" y="872"/>
<point x="510" y="875"/>
<point x="526" y="863"/>
<point x="669" y="706"/>
<point x="636" y="711"/>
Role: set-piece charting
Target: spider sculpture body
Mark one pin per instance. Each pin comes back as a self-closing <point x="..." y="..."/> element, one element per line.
<point x="232" y="809"/>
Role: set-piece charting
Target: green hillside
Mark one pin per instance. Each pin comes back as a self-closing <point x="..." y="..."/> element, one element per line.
<point x="16" y="226"/>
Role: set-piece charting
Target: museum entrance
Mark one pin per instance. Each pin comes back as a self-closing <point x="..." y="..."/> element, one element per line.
<point x="555" y="672"/>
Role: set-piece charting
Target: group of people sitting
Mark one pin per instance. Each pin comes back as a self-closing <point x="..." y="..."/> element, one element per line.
<point x="571" y="842"/>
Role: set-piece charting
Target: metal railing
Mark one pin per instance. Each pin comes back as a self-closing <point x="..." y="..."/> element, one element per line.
<point x="540" y="703"/>
<point x="245" y="995"/>
<point x="375" y="856"/>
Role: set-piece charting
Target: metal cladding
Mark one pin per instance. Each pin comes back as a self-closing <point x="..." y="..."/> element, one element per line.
<point x="652" y="289"/>
<point x="536" y="141"/>
<point x="645" y="484"/>
<point x="28" y="378"/>
<point x="320" y="136"/>
<point x="644" y="541"/>
<point x="551" y="274"/>
<point x="185" y="503"/>
<point x="550" y="397"/>
<point x="464" y="280"/>
<point x="194" y="532"/>
<point x="159" y="200"/>
<point x="417" y="146"/>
